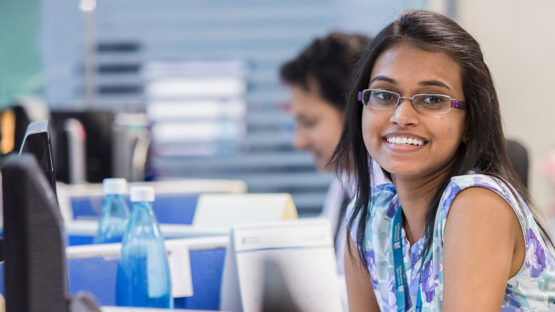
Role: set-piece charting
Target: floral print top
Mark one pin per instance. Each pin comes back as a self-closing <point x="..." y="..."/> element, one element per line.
<point x="531" y="289"/>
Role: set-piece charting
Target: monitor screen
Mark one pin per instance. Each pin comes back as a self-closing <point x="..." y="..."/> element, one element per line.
<point x="37" y="142"/>
<point x="98" y="143"/>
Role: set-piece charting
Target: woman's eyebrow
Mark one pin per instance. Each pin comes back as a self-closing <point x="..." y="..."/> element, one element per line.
<point x="383" y="78"/>
<point x="435" y="83"/>
<point x="422" y="83"/>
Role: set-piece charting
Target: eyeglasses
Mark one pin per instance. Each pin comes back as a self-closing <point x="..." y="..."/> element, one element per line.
<point x="427" y="103"/>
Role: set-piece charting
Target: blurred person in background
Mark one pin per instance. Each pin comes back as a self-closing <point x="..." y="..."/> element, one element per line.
<point x="319" y="78"/>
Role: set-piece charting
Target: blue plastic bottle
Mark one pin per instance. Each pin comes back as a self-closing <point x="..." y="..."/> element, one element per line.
<point x="143" y="277"/>
<point x="115" y="213"/>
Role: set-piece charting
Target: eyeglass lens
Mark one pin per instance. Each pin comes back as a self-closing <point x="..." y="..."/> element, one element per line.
<point x="382" y="99"/>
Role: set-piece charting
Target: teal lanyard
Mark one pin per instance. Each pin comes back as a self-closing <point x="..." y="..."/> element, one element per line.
<point x="402" y="293"/>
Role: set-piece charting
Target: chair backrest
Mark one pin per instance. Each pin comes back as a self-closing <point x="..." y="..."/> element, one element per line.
<point x="34" y="270"/>
<point x="518" y="155"/>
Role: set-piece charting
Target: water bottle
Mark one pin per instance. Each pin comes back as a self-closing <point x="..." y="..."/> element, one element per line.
<point x="115" y="212"/>
<point x="143" y="276"/>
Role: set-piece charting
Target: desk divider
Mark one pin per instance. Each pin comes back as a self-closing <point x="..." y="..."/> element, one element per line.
<point x="85" y="200"/>
<point x="168" y="208"/>
<point x="82" y="232"/>
<point x="93" y="269"/>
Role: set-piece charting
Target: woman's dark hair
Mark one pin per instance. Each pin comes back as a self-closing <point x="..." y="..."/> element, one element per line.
<point x="328" y="62"/>
<point x="486" y="148"/>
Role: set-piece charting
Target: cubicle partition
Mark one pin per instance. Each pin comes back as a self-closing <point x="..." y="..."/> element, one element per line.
<point x="197" y="260"/>
<point x="213" y="215"/>
<point x="168" y="208"/>
<point x="82" y="232"/>
<point x="93" y="269"/>
<point x="175" y="202"/>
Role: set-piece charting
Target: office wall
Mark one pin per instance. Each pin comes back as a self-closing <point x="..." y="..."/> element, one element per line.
<point x="19" y="55"/>
<point x="518" y="43"/>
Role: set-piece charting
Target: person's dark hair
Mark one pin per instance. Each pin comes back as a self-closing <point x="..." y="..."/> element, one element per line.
<point x="328" y="62"/>
<point x="486" y="147"/>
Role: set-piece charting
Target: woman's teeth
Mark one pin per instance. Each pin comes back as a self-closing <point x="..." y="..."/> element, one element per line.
<point x="405" y="141"/>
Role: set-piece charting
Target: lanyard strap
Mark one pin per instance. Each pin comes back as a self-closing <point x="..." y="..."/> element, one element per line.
<point x="401" y="287"/>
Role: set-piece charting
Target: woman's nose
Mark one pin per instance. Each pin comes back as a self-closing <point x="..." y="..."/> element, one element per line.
<point x="405" y="114"/>
<point x="300" y="140"/>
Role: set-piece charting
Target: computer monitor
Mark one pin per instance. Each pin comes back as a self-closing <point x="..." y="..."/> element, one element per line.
<point x="37" y="142"/>
<point x="35" y="274"/>
<point x="70" y="151"/>
<point x="98" y="143"/>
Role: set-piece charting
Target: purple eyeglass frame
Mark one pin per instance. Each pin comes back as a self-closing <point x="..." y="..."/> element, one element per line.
<point x="454" y="103"/>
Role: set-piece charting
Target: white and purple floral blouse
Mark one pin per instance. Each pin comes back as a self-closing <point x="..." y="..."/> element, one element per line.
<point x="531" y="289"/>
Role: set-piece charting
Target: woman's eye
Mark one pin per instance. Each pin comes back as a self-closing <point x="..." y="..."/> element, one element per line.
<point x="433" y="100"/>
<point x="384" y="95"/>
<point x="309" y="123"/>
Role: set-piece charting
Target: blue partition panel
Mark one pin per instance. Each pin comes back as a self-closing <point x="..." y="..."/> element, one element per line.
<point x="77" y="240"/>
<point x="87" y="207"/>
<point x="207" y="269"/>
<point x="169" y="208"/>
<point x="175" y="209"/>
<point x="98" y="277"/>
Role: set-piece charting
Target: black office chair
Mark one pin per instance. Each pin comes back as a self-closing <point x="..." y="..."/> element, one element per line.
<point x="518" y="155"/>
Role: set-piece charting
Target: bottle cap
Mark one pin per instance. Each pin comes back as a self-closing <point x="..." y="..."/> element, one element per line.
<point x="114" y="186"/>
<point x="142" y="193"/>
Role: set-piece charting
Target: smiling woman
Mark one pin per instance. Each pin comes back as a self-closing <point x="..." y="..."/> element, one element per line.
<point x="410" y="70"/>
<point x="456" y="230"/>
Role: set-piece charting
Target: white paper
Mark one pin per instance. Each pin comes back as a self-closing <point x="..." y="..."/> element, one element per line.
<point x="180" y="271"/>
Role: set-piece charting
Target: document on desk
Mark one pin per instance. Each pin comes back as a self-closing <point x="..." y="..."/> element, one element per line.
<point x="282" y="266"/>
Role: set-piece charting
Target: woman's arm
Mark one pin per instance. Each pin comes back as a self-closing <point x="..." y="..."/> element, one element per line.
<point x="359" y="285"/>
<point x="483" y="248"/>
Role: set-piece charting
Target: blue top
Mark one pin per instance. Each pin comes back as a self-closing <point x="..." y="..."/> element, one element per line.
<point x="531" y="289"/>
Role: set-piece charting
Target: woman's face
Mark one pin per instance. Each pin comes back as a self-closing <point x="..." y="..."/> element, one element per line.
<point x="319" y="124"/>
<point x="408" y="70"/>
